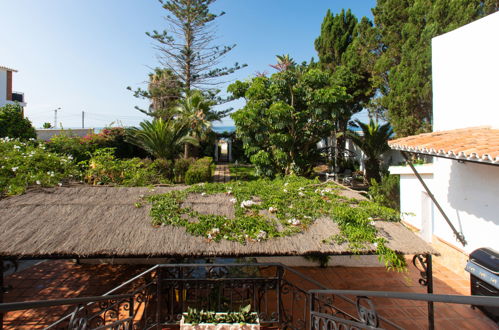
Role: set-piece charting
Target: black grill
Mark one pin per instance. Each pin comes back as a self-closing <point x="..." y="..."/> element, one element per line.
<point x="483" y="267"/>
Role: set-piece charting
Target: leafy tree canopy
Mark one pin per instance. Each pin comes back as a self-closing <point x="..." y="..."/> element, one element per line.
<point x="285" y="116"/>
<point x="13" y="124"/>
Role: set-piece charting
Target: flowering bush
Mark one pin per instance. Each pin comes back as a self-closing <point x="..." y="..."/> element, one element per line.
<point x="23" y="164"/>
<point x="105" y="168"/>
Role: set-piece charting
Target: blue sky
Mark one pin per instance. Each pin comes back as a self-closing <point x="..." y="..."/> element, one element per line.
<point x="81" y="55"/>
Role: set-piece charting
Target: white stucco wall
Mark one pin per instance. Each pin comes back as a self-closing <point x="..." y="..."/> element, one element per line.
<point x="466" y="76"/>
<point x="465" y="94"/>
<point x="3" y="87"/>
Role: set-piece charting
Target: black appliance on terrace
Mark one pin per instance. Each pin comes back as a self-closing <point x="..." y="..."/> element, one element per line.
<point x="483" y="266"/>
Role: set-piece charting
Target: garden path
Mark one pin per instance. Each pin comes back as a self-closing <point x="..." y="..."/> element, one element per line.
<point x="222" y="173"/>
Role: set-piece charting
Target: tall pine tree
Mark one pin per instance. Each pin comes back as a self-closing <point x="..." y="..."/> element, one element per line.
<point x="187" y="47"/>
<point x="340" y="47"/>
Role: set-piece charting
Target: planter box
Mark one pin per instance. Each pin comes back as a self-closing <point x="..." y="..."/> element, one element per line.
<point x="219" y="326"/>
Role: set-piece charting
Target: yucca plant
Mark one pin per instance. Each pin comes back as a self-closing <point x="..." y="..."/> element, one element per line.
<point x="162" y="139"/>
<point x="374" y="143"/>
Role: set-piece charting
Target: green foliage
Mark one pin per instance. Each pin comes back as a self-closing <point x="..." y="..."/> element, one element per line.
<point x="82" y="148"/>
<point x="77" y="147"/>
<point x="164" y="91"/>
<point x="13" y="124"/>
<point x="374" y="143"/>
<point x="200" y="171"/>
<point x="242" y="172"/>
<point x="265" y="209"/>
<point x="180" y="168"/>
<point x="285" y="116"/>
<point x="187" y="46"/>
<point x="105" y="168"/>
<point x="47" y="125"/>
<point x="403" y="67"/>
<point x="339" y="47"/>
<point x="386" y="192"/>
<point x="196" y="111"/>
<point x="160" y="138"/>
<point x="25" y="164"/>
<point x="243" y="316"/>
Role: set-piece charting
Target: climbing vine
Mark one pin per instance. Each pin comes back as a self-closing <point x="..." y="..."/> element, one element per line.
<point x="266" y="209"/>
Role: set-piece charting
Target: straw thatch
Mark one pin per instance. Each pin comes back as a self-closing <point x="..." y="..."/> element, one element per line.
<point x="83" y="221"/>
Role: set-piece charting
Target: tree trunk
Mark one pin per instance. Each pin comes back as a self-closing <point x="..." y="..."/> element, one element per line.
<point x="372" y="170"/>
<point x="187" y="150"/>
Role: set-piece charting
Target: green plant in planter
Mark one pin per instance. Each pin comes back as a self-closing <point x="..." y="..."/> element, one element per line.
<point x="244" y="315"/>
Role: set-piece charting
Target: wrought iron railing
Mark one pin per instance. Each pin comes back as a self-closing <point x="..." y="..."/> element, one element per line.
<point x="322" y="316"/>
<point x="282" y="297"/>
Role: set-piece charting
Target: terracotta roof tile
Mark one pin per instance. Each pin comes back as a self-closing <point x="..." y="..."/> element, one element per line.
<point x="474" y="143"/>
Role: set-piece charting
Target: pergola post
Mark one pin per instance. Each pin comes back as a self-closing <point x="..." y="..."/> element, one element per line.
<point x="423" y="263"/>
<point x="229" y="149"/>
<point x="216" y="151"/>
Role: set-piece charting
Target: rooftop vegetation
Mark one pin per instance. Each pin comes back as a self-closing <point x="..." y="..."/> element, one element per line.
<point x="266" y="209"/>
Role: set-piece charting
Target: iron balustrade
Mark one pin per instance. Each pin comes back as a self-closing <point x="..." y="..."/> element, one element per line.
<point x="281" y="296"/>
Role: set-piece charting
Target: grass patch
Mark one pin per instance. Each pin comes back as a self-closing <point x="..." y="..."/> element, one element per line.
<point x="243" y="172"/>
<point x="265" y="209"/>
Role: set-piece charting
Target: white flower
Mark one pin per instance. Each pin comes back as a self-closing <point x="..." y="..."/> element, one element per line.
<point x="375" y="244"/>
<point x="294" y="222"/>
<point x="14" y="169"/>
<point x="60" y="184"/>
<point x="285" y="184"/>
<point x="248" y="203"/>
<point x="301" y="188"/>
<point x="261" y="235"/>
<point x="203" y="194"/>
<point x="70" y="157"/>
<point x="285" y="190"/>
<point x="301" y="194"/>
<point x="38" y="182"/>
<point x="17" y="147"/>
<point x="215" y="231"/>
<point x="272" y="209"/>
<point x="233" y="200"/>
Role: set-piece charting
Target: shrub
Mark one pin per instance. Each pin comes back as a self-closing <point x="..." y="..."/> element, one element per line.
<point x="180" y="168"/>
<point x="13" y="124"/>
<point x="71" y="145"/>
<point x="200" y="171"/>
<point x="387" y="192"/>
<point x="165" y="167"/>
<point x="25" y="164"/>
<point x="105" y="168"/>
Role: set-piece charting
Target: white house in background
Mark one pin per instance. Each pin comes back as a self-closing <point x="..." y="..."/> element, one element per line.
<point x="7" y="95"/>
<point x="464" y="175"/>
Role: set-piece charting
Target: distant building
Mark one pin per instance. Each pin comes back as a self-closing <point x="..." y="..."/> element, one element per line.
<point x="7" y="95"/>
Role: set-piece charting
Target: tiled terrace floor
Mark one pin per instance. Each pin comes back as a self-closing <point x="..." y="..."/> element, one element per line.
<point x="57" y="279"/>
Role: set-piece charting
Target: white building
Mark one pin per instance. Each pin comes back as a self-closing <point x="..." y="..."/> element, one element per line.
<point x="7" y="95"/>
<point x="464" y="176"/>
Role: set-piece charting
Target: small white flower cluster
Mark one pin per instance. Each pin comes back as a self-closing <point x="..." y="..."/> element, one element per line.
<point x="248" y="203"/>
<point x="294" y="222"/>
<point x="233" y="200"/>
<point x="272" y="209"/>
<point x="261" y="235"/>
<point x="51" y="173"/>
<point x="324" y="191"/>
<point x="213" y="233"/>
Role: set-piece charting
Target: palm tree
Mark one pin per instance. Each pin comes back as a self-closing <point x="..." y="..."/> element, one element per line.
<point x="195" y="110"/>
<point x="162" y="139"/>
<point x="374" y="143"/>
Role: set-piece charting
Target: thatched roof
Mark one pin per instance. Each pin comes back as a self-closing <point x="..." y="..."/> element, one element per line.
<point x="83" y="221"/>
